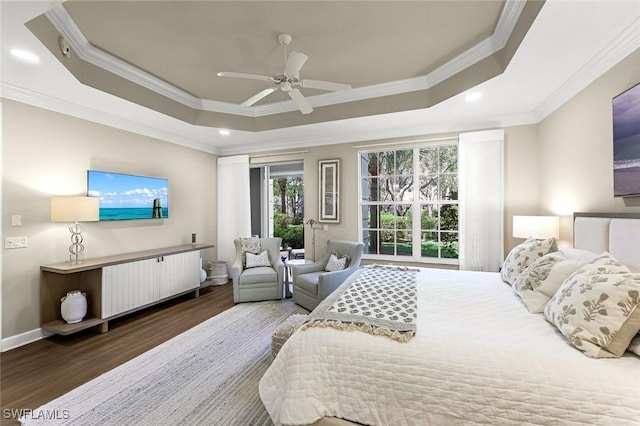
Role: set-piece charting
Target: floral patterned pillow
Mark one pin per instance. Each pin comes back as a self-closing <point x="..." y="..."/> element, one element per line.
<point x="597" y="307"/>
<point x="523" y="255"/>
<point x="249" y="245"/>
<point x="540" y="281"/>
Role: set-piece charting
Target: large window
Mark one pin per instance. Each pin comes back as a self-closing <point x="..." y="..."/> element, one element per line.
<point x="409" y="202"/>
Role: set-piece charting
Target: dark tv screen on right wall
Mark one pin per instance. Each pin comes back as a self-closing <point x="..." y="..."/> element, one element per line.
<point x="626" y="142"/>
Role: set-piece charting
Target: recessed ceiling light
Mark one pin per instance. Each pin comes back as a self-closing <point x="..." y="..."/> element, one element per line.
<point x="472" y="97"/>
<point x="25" y="56"/>
<point x="224" y="132"/>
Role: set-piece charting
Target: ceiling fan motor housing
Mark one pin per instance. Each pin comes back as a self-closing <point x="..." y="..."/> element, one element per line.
<point x="284" y="39"/>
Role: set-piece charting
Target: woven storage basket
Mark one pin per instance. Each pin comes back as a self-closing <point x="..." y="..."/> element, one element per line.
<point x="218" y="272"/>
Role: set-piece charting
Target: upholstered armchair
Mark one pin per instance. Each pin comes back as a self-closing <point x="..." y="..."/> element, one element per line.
<point x="312" y="283"/>
<point x="261" y="282"/>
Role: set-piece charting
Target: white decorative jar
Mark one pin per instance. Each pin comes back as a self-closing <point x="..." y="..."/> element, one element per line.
<point x="73" y="306"/>
<point x="203" y="273"/>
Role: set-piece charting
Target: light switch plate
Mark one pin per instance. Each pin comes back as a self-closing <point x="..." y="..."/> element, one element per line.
<point x="15" y="242"/>
<point x="16" y="220"/>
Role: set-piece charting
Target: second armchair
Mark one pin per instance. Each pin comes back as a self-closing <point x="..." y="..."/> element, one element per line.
<point x="312" y="283"/>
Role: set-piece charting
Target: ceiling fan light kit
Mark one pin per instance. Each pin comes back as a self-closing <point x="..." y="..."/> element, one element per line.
<point x="288" y="80"/>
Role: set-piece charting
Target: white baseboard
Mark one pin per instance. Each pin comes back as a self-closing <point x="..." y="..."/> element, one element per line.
<point x="22" y="339"/>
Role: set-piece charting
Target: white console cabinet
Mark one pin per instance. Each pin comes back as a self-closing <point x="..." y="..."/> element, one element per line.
<point x="117" y="285"/>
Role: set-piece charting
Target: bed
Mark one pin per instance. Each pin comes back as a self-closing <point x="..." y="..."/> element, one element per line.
<point x="478" y="356"/>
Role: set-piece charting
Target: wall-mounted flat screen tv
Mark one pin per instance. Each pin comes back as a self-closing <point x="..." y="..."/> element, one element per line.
<point x="125" y="197"/>
<point x="626" y="142"/>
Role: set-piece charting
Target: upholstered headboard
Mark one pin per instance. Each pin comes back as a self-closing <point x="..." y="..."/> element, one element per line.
<point x="617" y="233"/>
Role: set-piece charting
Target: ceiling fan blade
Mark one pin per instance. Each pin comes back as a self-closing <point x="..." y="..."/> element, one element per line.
<point x="300" y="101"/>
<point x="325" y="85"/>
<point x="255" y="98"/>
<point x="294" y="63"/>
<point x="243" y="75"/>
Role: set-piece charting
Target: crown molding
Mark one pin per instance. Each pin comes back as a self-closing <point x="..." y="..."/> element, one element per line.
<point x="84" y="112"/>
<point x="615" y="51"/>
<point x="67" y="27"/>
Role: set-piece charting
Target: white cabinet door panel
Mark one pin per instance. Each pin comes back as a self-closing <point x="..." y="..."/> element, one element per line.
<point x="179" y="272"/>
<point x="129" y="285"/>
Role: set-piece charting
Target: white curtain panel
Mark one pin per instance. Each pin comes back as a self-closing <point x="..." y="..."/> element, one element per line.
<point x="480" y="174"/>
<point x="234" y="204"/>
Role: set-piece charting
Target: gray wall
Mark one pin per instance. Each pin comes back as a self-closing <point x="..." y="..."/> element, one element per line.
<point x="45" y="154"/>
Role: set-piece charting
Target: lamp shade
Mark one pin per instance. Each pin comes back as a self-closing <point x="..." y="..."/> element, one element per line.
<point x="75" y="209"/>
<point x="538" y="227"/>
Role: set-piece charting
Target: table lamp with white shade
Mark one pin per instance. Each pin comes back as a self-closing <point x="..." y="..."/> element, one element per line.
<point x="538" y="227"/>
<point x="76" y="210"/>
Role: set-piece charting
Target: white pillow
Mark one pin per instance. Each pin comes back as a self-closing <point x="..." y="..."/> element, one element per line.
<point x="597" y="308"/>
<point x="257" y="260"/>
<point x="336" y="263"/>
<point x="523" y="255"/>
<point x="578" y="254"/>
<point x="540" y="281"/>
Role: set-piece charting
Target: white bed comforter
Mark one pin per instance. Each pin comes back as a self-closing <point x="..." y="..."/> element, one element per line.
<point x="478" y="357"/>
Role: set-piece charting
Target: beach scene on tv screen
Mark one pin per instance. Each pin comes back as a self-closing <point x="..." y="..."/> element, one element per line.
<point x="626" y="142"/>
<point x="124" y="197"/>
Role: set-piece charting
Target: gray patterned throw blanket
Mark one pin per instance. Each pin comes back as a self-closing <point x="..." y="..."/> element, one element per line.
<point x="379" y="300"/>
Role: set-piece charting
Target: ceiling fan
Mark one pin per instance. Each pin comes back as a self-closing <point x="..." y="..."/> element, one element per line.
<point x="288" y="80"/>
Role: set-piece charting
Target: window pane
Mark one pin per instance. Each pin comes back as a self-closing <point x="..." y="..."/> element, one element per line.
<point x="428" y="160"/>
<point x="404" y="245"/>
<point x="369" y="164"/>
<point x="387" y="243"/>
<point x="429" y="188"/>
<point x="404" y="220"/>
<point x="449" y="244"/>
<point x="385" y="163"/>
<point x="449" y="217"/>
<point x="429" y="244"/>
<point x="370" y="216"/>
<point x="429" y="217"/>
<point x="448" y="156"/>
<point x="384" y="189"/>
<point x="387" y="217"/>
<point x="370" y="191"/>
<point x="448" y="187"/>
<point x="403" y="188"/>
<point x="370" y="239"/>
<point x="404" y="162"/>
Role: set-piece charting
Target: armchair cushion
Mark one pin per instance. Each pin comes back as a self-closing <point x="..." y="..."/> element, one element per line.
<point x="260" y="274"/>
<point x="309" y="282"/>
<point x="257" y="260"/>
<point x="336" y="262"/>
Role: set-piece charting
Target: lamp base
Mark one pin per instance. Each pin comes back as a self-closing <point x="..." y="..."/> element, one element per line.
<point x="76" y="259"/>
<point x="76" y="249"/>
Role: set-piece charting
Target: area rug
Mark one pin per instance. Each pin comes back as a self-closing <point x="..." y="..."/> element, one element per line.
<point x="205" y="376"/>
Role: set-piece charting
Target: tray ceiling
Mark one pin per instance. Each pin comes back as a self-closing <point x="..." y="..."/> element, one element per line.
<point x="397" y="56"/>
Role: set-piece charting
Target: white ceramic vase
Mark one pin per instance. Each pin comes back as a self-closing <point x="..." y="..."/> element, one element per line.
<point x="73" y="306"/>
<point x="203" y="273"/>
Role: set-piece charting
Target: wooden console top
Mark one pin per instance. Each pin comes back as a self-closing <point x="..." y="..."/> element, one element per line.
<point x="99" y="262"/>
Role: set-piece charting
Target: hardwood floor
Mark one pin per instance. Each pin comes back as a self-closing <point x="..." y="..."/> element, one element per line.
<point x="39" y="372"/>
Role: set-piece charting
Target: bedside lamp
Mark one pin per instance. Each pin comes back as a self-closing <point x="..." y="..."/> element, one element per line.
<point x="75" y="209"/>
<point x="538" y="227"/>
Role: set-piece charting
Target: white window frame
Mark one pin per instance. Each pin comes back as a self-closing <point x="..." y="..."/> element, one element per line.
<point x="416" y="206"/>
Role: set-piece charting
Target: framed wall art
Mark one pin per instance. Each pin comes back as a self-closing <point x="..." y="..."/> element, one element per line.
<point x="329" y="202"/>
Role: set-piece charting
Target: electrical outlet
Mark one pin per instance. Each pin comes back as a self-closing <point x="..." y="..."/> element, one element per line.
<point x="15" y="242"/>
